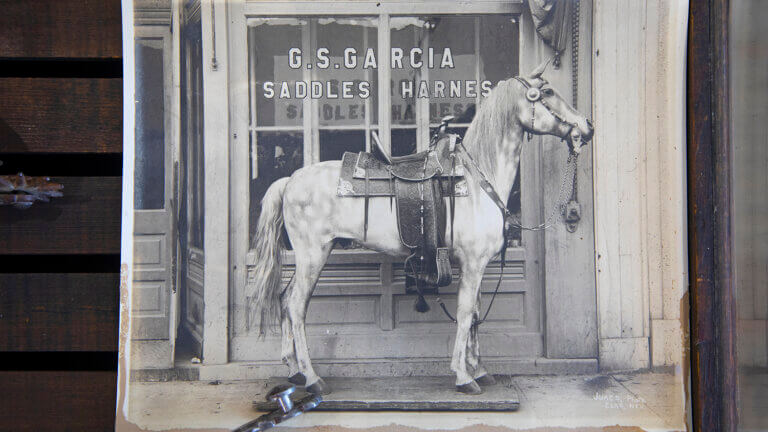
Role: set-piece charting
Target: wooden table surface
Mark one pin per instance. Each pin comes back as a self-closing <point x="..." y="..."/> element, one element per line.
<point x="61" y="116"/>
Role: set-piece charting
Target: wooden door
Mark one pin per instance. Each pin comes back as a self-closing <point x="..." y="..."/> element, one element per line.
<point x="151" y="308"/>
<point x="191" y="181"/>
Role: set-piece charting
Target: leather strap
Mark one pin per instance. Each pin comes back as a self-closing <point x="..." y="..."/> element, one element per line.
<point x="365" y="215"/>
<point x="485" y="184"/>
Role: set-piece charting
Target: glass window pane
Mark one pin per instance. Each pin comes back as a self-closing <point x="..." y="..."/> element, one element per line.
<point x="333" y="143"/>
<point x="403" y="141"/>
<point x="456" y="60"/>
<point x="406" y="33"/>
<point x="279" y="154"/>
<point x="458" y="83"/>
<point x="269" y="43"/>
<point x="149" y="180"/>
<point x="499" y="47"/>
<point x="347" y="83"/>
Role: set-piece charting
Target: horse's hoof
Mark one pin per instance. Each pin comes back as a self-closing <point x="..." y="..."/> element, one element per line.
<point x="298" y="378"/>
<point x="486" y="380"/>
<point x="470" y="388"/>
<point x="319" y="387"/>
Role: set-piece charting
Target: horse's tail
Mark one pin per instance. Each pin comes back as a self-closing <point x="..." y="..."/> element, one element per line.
<point x="263" y="288"/>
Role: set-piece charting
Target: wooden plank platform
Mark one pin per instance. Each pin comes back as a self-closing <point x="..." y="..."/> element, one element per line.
<point x="406" y="394"/>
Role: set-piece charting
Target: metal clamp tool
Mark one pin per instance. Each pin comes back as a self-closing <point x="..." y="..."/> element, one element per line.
<point x="287" y="409"/>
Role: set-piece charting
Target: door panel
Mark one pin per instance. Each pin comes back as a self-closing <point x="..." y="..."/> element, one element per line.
<point x="151" y="326"/>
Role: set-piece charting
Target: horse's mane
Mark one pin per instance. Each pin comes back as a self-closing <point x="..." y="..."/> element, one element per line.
<point x="495" y="115"/>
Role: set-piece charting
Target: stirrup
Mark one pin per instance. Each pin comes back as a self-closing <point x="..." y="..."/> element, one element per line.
<point x="443" y="269"/>
<point x="442" y="274"/>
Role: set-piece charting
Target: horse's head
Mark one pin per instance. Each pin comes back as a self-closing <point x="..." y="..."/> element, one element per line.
<point x="542" y="111"/>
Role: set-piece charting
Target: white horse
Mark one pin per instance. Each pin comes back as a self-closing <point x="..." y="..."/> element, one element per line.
<point x="307" y="205"/>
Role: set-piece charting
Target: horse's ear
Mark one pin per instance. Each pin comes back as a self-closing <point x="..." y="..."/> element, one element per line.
<point x="540" y="69"/>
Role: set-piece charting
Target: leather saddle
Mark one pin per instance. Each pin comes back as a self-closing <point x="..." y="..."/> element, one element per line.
<point x="418" y="184"/>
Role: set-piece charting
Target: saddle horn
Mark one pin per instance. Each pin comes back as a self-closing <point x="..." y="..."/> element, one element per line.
<point x="540" y="69"/>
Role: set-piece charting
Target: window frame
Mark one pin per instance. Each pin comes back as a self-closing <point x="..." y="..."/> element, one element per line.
<point x="244" y="163"/>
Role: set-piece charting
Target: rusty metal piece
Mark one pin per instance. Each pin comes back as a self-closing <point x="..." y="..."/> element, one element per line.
<point x="572" y="215"/>
<point x="21" y="191"/>
<point x="286" y="409"/>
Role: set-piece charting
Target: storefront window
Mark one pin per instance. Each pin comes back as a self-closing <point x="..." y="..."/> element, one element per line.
<point x="329" y="66"/>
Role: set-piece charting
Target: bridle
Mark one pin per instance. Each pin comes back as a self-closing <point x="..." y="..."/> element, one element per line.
<point x="534" y="94"/>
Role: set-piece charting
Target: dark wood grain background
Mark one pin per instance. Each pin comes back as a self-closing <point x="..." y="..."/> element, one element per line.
<point x="61" y="116"/>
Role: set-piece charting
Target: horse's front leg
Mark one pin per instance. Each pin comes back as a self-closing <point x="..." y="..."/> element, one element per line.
<point x="480" y="374"/>
<point x="469" y="287"/>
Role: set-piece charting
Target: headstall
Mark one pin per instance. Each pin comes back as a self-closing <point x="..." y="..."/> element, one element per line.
<point x="534" y="94"/>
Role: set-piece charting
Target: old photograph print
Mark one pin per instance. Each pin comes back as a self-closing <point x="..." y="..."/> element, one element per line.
<point x="412" y="215"/>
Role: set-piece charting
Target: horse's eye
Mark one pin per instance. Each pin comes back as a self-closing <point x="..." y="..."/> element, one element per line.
<point x="547" y="91"/>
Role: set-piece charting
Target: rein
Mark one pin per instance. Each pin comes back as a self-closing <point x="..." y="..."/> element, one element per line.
<point x="533" y="95"/>
<point x="508" y="223"/>
<point x="509" y="218"/>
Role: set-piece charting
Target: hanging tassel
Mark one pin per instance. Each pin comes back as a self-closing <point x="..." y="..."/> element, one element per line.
<point x="421" y="304"/>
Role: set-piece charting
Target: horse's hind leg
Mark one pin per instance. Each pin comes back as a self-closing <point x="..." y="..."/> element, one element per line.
<point x="309" y="264"/>
<point x="288" y="352"/>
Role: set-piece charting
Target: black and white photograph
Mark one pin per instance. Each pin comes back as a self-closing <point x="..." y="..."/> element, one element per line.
<point x="390" y="215"/>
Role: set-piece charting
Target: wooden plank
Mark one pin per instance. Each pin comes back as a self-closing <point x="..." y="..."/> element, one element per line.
<point x="217" y="188"/>
<point x="713" y="318"/>
<point x="531" y="192"/>
<point x="386" y="394"/>
<point x="52" y="400"/>
<point x="384" y="76"/>
<point x="655" y="92"/>
<point x="60" y="28"/>
<point x="672" y="157"/>
<point x="59" y="312"/>
<point x="606" y="168"/>
<point x="631" y="168"/>
<point x="63" y="115"/>
<point x="570" y="294"/>
<point x="85" y="221"/>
